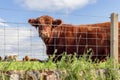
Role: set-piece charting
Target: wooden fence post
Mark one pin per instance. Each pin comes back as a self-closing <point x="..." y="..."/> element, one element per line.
<point x="114" y="37"/>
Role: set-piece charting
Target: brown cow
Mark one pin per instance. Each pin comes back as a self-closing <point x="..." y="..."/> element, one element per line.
<point x="73" y="39"/>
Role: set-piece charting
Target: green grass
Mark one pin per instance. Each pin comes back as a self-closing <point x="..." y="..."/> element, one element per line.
<point x="73" y="67"/>
<point x="27" y="65"/>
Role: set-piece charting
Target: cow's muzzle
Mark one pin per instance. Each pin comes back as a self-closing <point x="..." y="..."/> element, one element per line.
<point x="44" y="35"/>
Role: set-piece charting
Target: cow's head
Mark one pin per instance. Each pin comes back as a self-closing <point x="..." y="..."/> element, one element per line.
<point x="45" y="25"/>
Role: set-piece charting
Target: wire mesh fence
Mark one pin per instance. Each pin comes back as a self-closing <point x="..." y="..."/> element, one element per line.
<point x="23" y="39"/>
<point x="20" y="39"/>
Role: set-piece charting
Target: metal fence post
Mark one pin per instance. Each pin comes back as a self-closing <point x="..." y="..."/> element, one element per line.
<point x="114" y="37"/>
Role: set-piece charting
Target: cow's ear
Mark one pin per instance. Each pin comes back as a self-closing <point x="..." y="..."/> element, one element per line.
<point x="56" y="22"/>
<point x="33" y="22"/>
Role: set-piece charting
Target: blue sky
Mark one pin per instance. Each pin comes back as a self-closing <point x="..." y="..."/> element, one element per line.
<point x="70" y="11"/>
<point x="24" y="9"/>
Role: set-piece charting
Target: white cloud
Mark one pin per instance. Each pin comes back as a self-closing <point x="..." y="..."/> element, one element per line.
<point x="20" y="40"/>
<point x="54" y="5"/>
<point x="2" y="22"/>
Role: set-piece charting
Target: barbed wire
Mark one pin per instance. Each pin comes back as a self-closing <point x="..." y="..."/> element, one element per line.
<point x="60" y="13"/>
<point x="37" y="24"/>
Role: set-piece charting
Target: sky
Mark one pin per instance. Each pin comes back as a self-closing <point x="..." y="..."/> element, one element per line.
<point x="18" y="37"/>
<point x="70" y="11"/>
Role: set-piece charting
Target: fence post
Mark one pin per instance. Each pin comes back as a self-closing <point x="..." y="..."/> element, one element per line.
<point x="114" y="37"/>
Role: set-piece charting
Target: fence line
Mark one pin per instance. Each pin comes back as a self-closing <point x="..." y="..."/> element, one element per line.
<point x="30" y="42"/>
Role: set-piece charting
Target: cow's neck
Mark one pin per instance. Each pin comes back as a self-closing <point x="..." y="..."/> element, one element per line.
<point x="47" y="40"/>
<point x="53" y="35"/>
